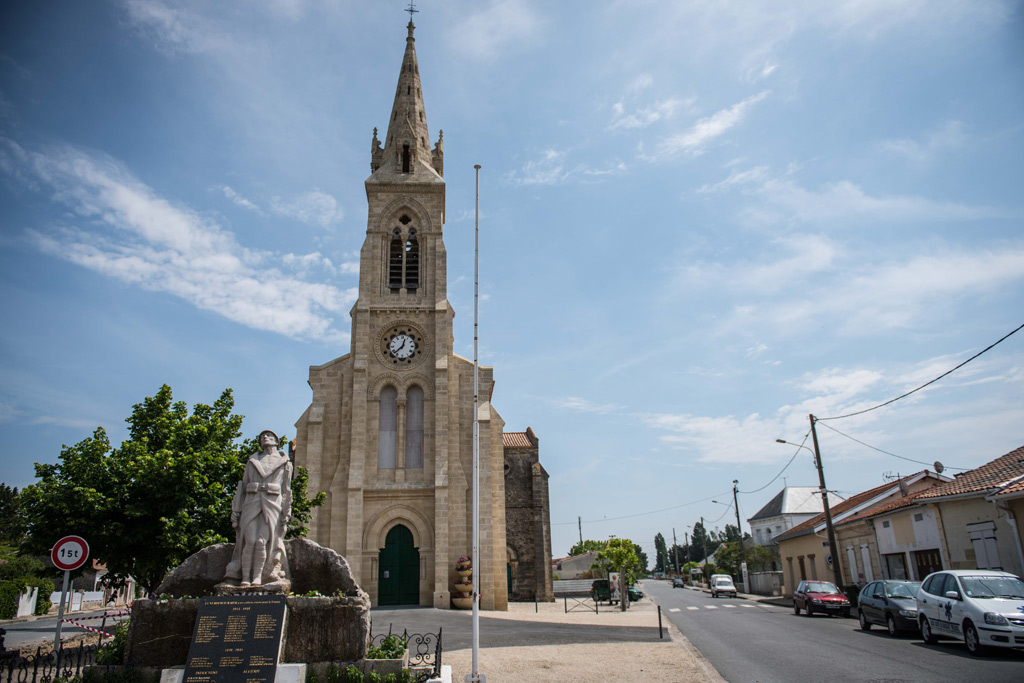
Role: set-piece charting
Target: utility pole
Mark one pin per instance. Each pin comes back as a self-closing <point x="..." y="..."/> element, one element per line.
<point x="580" y="520"/>
<point x="833" y="549"/>
<point x="675" y="549"/>
<point x="743" y="554"/>
<point x="704" y="542"/>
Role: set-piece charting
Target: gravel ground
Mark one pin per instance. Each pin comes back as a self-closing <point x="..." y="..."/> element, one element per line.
<point x="643" y="659"/>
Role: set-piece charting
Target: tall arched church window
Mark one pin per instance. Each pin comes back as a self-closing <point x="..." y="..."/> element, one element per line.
<point x="414" y="428"/>
<point x="406" y="158"/>
<point x="412" y="261"/>
<point x="388" y="428"/>
<point x="396" y="256"/>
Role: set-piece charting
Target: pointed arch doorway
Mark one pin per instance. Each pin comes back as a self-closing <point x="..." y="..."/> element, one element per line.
<point x="398" y="576"/>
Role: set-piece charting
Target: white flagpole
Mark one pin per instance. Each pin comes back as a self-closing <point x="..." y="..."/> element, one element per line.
<point x="476" y="676"/>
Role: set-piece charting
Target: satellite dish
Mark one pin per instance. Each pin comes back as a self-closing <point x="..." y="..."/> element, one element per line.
<point x="938" y="467"/>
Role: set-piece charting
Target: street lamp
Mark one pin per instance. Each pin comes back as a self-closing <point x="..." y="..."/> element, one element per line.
<point x="833" y="549"/>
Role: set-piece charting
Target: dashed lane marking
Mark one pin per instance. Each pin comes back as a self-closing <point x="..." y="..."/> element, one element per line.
<point x="711" y="607"/>
<point x="674" y="609"/>
<point x="693" y="608"/>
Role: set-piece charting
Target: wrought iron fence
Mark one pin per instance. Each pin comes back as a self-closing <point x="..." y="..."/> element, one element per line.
<point x="424" y="651"/>
<point x="46" y="667"/>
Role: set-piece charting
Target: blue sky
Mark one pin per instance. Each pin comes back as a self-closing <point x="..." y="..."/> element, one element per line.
<point x="700" y="222"/>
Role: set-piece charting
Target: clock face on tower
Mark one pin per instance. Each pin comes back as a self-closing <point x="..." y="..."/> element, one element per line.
<point x="401" y="345"/>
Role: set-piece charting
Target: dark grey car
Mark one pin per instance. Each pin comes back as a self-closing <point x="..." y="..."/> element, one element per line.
<point x="892" y="604"/>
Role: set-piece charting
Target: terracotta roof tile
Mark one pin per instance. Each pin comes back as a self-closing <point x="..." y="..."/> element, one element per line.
<point x="985" y="479"/>
<point x="1014" y="488"/>
<point x="516" y="440"/>
<point x="850" y="503"/>
<point x="886" y="507"/>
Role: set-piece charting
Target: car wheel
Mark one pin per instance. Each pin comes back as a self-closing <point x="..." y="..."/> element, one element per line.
<point x="890" y="623"/>
<point x="796" y="609"/>
<point x="926" y="632"/>
<point x="972" y="640"/>
<point x="865" y="625"/>
<point x="807" y="609"/>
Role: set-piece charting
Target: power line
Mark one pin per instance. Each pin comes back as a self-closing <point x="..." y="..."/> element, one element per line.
<point x="893" y="400"/>
<point x="874" y="448"/>
<point x="642" y="514"/>
<point x="783" y="469"/>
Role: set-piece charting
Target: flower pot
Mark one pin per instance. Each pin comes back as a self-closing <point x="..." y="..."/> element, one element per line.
<point x="460" y="602"/>
<point x="466" y="588"/>
<point x="464" y="572"/>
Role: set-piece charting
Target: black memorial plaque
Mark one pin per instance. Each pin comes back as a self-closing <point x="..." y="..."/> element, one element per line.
<point x="237" y="639"/>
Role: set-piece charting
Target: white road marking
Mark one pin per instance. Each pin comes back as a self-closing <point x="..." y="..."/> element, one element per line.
<point x="711" y="607"/>
<point x="674" y="609"/>
<point x="748" y="606"/>
<point x="730" y="606"/>
<point x="693" y="608"/>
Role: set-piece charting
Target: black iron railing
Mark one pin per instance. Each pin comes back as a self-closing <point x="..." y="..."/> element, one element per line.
<point x="424" y="651"/>
<point x="46" y="667"/>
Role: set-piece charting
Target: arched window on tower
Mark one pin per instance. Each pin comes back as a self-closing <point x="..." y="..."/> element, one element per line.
<point x="414" y="428"/>
<point x="412" y="261"/>
<point x="406" y="158"/>
<point x="396" y="255"/>
<point x="388" y="428"/>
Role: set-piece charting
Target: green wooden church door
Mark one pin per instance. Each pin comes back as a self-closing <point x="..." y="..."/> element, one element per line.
<point x="399" y="569"/>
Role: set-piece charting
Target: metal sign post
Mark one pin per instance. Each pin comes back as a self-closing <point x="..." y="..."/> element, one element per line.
<point x="68" y="554"/>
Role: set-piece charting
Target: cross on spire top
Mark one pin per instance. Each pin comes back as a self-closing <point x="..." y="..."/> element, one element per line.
<point x="411" y="9"/>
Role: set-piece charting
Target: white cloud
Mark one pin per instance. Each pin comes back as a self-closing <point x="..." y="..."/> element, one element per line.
<point x="948" y="136"/>
<point x="483" y="34"/>
<point x="549" y="169"/>
<point x="645" y="116"/>
<point x="239" y="199"/>
<point x="758" y="174"/>
<point x="127" y="232"/>
<point x="694" y="140"/>
<point x="313" y="207"/>
<point x="172" y="28"/>
<point x="585" y="406"/>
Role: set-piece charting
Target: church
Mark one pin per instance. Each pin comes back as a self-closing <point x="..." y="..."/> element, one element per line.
<point x="388" y="435"/>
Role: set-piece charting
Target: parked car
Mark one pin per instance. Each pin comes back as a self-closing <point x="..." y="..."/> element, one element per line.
<point x="820" y="596"/>
<point x="722" y="585"/>
<point x="600" y="591"/>
<point x="678" y="583"/>
<point x="983" y="608"/>
<point x="892" y="604"/>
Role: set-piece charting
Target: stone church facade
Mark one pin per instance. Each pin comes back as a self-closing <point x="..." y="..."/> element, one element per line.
<point x="527" y="519"/>
<point x="388" y="435"/>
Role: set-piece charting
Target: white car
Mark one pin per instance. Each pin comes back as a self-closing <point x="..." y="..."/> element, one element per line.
<point x="983" y="608"/>
<point x="722" y="584"/>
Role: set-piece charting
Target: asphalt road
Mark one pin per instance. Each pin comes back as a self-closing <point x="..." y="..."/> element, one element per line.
<point x="21" y="634"/>
<point x="750" y="642"/>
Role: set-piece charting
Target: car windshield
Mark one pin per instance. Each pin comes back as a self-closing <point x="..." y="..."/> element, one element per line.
<point x="901" y="590"/>
<point x="993" y="587"/>
<point x="723" y="582"/>
<point x="821" y="587"/>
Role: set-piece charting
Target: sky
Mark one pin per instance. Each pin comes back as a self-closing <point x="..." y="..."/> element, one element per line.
<point x="699" y="224"/>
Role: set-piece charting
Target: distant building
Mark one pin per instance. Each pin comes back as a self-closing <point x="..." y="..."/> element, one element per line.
<point x="792" y="506"/>
<point x="574" y="567"/>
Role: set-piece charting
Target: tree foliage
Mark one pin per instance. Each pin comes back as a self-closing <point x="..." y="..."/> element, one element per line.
<point x="641" y="559"/>
<point x="164" y="494"/>
<point x="586" y="546"/>
<point x="758" y="557"/>
<point x="12" y="527"/>
<point x="661" y="553"/>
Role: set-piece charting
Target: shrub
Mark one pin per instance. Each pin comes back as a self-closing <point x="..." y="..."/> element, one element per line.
<point x="392" y="647"/>
<point x="9" y="591"/>
<point x="113" y="652"/>
<point x="372" y="677"/>
<point x="390" y="678"/>
<point x="405" y="676"/>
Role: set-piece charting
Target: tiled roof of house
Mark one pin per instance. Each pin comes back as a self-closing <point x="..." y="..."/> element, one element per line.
<point x="516" y="440"/>
<point x="886" y="507"/>
<point x="985" y="479"/>
<point x="850" y="503"/>
<point x="1013" y="488"/>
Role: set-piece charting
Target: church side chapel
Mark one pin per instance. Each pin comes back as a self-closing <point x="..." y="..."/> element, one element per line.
<point x="388" y="435"/>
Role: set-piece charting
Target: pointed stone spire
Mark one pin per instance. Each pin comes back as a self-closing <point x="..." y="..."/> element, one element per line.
<point x="407" y="143"/>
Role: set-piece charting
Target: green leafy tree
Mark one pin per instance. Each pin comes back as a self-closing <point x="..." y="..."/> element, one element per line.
<point x="12" y="526"/>
<point x="619" y="554"/>
<point x="641" y="559"/>
<point x="661" y="554"/>
<point x="758" y="557"/>
<point x="586" y="546"/>
<point x="163" y="495"/>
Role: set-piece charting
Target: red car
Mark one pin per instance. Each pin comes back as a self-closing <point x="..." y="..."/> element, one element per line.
<point x="820" y="596"/>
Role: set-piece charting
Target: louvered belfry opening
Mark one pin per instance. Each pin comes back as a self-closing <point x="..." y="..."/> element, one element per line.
<point x="412" y="261"/>
<point x="406" y="159"/>
<point x="395" y="262"/>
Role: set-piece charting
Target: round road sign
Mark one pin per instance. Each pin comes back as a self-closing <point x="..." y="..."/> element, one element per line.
<point x="70" y="553"/>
